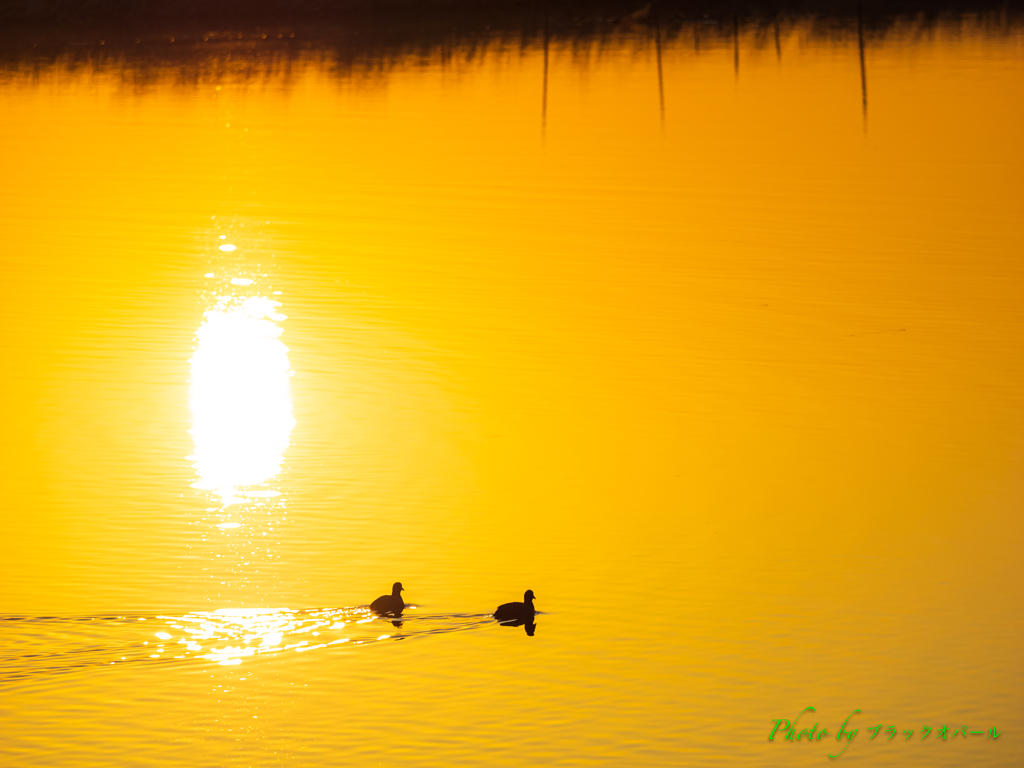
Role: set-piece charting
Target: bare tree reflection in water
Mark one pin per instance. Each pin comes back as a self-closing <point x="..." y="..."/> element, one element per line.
<point x="369" y="48"/>
<point x="863" y="73"/>
<point x="661" y="77"/>
<point x="544" y="88"/>
<point x="736" y="44"/>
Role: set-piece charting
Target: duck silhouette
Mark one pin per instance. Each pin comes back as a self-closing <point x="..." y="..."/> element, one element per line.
<point x="521" y="612"/>
<point x="392" y="604"/>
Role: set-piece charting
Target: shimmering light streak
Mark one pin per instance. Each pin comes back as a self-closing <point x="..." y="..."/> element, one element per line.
<point x="231" y="634"/>
<point x="46" y="646"/>
<point x="240" y="397"/>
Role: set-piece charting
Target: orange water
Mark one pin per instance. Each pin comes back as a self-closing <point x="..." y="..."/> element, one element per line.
<point x="734" y="387"/>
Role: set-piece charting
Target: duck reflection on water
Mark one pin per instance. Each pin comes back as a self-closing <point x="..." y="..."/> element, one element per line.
<point x="529" y="625"/>
<point x="518" y="614"/>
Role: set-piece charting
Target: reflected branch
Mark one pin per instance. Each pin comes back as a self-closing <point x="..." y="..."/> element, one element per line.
<point x="863" y="73"/>
<point x="736" y="43"/>
<point x="544" y="89"/>
<point x="661" y="78"/>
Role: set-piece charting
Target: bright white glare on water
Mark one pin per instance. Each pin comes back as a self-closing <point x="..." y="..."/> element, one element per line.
<point x="240" y="397"/>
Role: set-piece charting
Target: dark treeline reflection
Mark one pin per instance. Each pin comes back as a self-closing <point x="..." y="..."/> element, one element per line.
<point x="219" y="39"/>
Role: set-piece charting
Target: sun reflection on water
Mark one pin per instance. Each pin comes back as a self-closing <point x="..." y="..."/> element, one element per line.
<point x="240" y="398"/>
<point x="231" y="634"/>
<point x="43" y="646"/>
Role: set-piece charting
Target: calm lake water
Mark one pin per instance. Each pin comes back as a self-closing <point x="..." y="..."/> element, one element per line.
<point x="720" y="353"/>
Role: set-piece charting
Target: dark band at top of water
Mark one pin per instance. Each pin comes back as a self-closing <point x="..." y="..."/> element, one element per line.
<point x="136" y="31"/>
<point x="405" y="11"/>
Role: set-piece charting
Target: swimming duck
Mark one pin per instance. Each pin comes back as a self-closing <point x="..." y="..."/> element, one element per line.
<point x="393" y="603"/>
<point x="517" y="611"/>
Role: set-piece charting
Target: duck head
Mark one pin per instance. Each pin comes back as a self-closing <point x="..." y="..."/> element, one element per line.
<point x="397" y="589"/>
<point x="528" y="597"/>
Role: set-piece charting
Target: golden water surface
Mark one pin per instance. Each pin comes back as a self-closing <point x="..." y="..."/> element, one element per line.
<point x="728" y="373"/>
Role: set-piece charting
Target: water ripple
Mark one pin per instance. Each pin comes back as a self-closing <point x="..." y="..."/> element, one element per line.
<point x="41" y="646"/>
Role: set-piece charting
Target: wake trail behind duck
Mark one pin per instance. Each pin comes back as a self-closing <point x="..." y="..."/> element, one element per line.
<point x="32" y="648"/>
